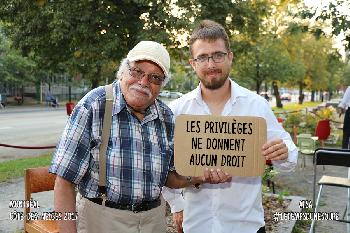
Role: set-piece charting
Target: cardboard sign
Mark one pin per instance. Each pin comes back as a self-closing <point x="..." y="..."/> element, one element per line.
<point x="231" y="143"/>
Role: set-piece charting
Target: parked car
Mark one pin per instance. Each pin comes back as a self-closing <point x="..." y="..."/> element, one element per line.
<point x="3" y="99"/>
<point x="164" y="94"/>
<point x="175" y="95"/>
<point x="286" y="96"/>
<point x="334" y="103"/>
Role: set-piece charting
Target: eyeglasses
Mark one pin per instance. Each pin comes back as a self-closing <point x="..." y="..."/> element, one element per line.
<point x="152" y="78"/>
<point x="217" y="57"/>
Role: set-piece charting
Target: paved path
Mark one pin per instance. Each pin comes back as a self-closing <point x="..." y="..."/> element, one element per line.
<point x="30" y="126"/>
<point x="14" y="190"/>
<point x="333" y="199"/>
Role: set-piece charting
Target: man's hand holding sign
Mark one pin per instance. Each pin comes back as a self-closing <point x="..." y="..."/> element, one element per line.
<point x="275" y="150"/>
<point x="225" y="145"/>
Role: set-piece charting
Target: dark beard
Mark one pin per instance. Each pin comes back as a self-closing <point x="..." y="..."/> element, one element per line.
<point x="214" y="85"/>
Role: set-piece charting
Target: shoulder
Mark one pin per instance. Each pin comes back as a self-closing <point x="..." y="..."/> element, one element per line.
<point x="249" y="96"/>
<point x="178" y="104"/>
<point x="93" y="98"/>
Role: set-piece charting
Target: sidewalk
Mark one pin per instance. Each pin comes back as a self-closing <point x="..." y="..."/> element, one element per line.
<point x="14" y="190"/>
<point x="333" y="199"/>
<point x="30" y="108"/>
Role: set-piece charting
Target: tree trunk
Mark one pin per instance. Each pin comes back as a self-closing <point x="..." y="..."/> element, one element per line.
<point x="94" y="82"/>
<point x="258" y="85"/>
<point x="301" y="94"/>
<point x="277" y="95"/>
<point x="313" y="96"/>
<point x="95" y="79"/>
<point x="266" y="93"/>
<point x="70" y="89"/>
<point x="295" y="134"/>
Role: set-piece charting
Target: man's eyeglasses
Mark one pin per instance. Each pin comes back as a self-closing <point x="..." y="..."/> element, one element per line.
<point x="152" y="78"/>
<point x="217" y="57"/>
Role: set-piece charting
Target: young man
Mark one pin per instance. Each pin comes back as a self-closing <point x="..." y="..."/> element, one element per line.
<point x="138" y="158"/>
<point x="234" y="207"/>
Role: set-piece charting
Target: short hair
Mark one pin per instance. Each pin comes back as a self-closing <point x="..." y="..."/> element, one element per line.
<point x="209" y="30"/>
<point x="124" y="66"/>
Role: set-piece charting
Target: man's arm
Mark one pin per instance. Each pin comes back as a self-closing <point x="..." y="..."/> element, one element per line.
<point x="64" y="195"/>
<point x="177" y="181"/>
<point x="176" y="202"/>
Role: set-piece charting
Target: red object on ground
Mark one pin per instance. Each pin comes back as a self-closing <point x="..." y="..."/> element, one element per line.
<point x="70" y="107"/>
<point x="18" y="99"/>
<point x="280" y="119"/>
<point x="268" y="162"/>
<point x="323" y="129"/>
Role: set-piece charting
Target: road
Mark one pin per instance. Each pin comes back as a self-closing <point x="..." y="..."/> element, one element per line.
<point x="30" y="126"/>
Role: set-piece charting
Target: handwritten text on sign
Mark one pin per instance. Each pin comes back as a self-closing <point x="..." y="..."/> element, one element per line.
<point x="230" y="143"/>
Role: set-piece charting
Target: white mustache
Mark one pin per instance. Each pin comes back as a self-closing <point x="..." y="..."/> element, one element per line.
<point x="140" y="88"/>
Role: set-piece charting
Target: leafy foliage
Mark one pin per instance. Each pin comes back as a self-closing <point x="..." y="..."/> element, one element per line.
<point x="14" y="68"/>
<point x="340" y="20"/>
<point x="84" y="36"/>
<point x="89" y="38"/>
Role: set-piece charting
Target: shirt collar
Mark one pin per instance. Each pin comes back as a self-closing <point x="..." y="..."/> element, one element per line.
<point x="236" y="92"/>
<point x="119" y="104"/>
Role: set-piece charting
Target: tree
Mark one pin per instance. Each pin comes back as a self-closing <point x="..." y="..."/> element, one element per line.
<point x="312" y="52"/>
<point x="346" y="75"/>
<point x="268" y="62"/>
<point x="340" y="21"/>
<point x="335" y="66"/>
<point x="15" y="70"/>
<point x="86" y="37"/>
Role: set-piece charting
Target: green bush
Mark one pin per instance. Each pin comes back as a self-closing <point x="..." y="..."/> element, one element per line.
<point x="305" y="122"/>
<point x="292" y="119"/>
<point x="308" y="125"/>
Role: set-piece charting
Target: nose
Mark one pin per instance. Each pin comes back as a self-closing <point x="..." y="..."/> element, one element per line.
<point x="144" y="81"/>
<point x="211" y="62"/>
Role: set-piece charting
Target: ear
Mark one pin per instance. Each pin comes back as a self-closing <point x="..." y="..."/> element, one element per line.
<point x="230" y="56"/>
<point x="193" y="63"/>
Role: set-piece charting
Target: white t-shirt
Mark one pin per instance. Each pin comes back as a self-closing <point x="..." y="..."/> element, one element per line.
<point x="345" y="102"/>
<point x="234" y="207"/>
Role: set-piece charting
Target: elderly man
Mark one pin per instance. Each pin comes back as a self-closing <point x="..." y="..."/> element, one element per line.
<point x="234" y="207"/>
<point x="139" y="157"/>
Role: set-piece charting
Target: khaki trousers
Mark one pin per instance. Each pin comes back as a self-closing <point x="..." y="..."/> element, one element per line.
<point x="94" y="218"/>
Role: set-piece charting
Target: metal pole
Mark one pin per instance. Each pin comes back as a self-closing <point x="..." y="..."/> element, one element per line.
<point x="41" y="91"/>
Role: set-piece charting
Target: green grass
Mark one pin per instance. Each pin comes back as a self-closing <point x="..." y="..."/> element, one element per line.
<point x="302" y="225"/>
<point x="15" y="168"/>
<point x="295" y="106"/>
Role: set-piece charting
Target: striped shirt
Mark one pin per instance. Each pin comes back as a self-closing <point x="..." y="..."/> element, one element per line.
<point x="139" y="154"/>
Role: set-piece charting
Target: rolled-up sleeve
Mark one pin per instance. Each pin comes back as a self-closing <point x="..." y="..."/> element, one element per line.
<point x="274" y="131"/>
